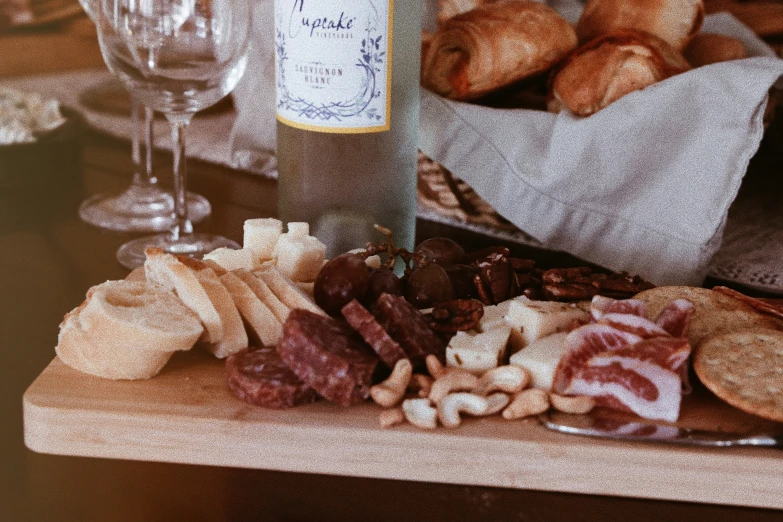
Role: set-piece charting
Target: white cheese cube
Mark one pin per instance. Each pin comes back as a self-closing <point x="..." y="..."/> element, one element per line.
<point x="478" y="352"/>
<point x="260" y="236"/>
<point x="231" y="259"/>
<point x="494" y="315"/>
<point x="298" y="228"/>
<point x="532" y="320"/>
<point x="540" y="358"/>
<point x="298" y="257"/>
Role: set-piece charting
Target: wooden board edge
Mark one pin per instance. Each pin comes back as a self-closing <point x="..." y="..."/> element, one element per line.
<point x="568" y="467"/>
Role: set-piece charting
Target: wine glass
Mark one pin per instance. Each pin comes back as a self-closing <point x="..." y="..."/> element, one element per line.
<point x="176" y="57"/>
<point x="144" y="206"/>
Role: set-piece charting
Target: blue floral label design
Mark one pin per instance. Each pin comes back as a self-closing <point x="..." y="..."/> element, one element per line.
<point x="333" y="64"/>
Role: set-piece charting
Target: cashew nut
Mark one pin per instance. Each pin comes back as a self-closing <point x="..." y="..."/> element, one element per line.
<point x="496" y="402"/>
<point x="392" y="417"/>
<point x="420" y="413"/>
<point x="576" y="405"/>
<point x="391" y="391"/>
<point x="526" y="403"/>
<point x="421" y="383"/>
<point x="453" y="404"/>
<point x="454" y="380"/>
<point x="435" y="367"/>
<point x="508" y="378"/>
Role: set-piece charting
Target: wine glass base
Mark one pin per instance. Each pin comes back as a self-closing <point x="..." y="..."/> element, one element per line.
<point x="140" y="209"/>
<point x="131" y="254"/>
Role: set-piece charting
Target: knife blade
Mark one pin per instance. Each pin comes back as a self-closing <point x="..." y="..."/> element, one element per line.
<point x="596" y="425"/>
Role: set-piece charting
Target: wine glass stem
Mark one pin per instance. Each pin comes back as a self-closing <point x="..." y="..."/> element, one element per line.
<point x="149" y="144"/>
<point x="182" y="226"/>
<point x="136" y="142"/>
<point x="142" y="176"/>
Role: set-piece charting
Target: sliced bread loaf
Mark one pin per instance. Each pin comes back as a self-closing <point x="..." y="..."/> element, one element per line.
<point x="234" y="334"/>
<point x="126" y="330"/>
<point x="164" y="269"/>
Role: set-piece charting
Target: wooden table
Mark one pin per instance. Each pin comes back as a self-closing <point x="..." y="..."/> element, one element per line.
<point x="48" y="260"/>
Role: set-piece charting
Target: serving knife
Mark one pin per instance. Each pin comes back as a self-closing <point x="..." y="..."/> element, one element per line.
<point x="596" y="425"/>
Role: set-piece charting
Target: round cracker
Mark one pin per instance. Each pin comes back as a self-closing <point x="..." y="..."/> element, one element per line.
<point x="745" y="369"/>
<point x="714" y="313"/>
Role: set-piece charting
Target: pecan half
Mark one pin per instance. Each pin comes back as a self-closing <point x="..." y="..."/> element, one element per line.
<point x="455" y="315"/>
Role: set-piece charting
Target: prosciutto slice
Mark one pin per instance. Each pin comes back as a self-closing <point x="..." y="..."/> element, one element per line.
<point x="643" y="378"/>
<point x="628" y="362"/>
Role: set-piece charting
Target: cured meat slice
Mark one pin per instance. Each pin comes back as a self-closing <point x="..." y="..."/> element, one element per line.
<point x="643" y="377"/>
<point x="762" y="306"/>
<point x="675" y="318"/>
<point x="601" y="305"/>
<point x="406" y="325"/>
<point x="361" y="320"/>
<point x="584" y="343"/>
<point x="633" y="323"/>
<point x="328" y="356"/>
<point x="260" y="377"/>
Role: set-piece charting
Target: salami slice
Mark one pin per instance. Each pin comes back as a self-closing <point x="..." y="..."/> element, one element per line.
<point x="260" y="377"/>
<point x="361" y="320"/>
<point x="408" y="327"/>
<point x="328" y="356"/>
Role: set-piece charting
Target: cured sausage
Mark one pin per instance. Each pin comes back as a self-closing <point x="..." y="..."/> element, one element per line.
<point x="361" y="320"/>
<point x="260" y="377"/>
<point x="406" y="325"/>
<point x="328" y="356"/>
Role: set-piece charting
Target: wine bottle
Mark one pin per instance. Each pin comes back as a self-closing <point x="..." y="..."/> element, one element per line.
<point x="347" y="78"/>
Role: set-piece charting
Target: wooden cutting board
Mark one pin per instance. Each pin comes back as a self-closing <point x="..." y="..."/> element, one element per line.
<point x="186" y="415"/>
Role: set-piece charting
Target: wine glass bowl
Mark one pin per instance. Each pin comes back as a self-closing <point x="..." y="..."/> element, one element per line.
<point x="144" y="206"/>
<point x="176" y="57"/>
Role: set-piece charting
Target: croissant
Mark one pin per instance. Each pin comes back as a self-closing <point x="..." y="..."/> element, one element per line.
<point x="607" y="68"/>
<point x="675" y="21"/>
<point x="492" y="46"/>
<point x="707" y="48"/>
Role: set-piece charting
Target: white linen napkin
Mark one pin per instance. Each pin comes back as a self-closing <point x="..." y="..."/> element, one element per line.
<point x="643" y="185"/>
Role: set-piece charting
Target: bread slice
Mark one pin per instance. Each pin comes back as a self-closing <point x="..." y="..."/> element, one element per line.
<point x="126" y="330"/>
<point x="262" y="322"/>
<point x="166" y="270"/>
<point x="287" y="291"/>
<point x="260" y="288"/>
<point x="234" y="335"/>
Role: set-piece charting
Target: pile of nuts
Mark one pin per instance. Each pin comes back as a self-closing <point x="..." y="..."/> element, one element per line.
<point x="446" y="394"/>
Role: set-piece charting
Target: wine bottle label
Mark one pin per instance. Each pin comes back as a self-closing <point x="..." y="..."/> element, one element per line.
<point x="333" y="64"/>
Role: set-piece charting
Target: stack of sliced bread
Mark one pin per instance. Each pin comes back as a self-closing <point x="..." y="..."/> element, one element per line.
<point x="129" y="329"/>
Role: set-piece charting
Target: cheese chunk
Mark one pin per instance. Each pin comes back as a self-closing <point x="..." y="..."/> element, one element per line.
<point x="260" y="236"/>
<point x="540" y="358"/>
<point x="532" y="320"/>
<point x="478" y="352"/>
<point x="298" y="255"/>
<point x="298" y="229"/>
<point x="494" y="315"/>
<point x="232" y="259"/>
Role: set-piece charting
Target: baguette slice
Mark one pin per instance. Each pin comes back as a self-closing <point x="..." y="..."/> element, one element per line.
<point x="287" y="291"/>
<point x="126" y="330"/>
<point x="263" y="323"/>
<point x="164" y="269"/>
<point x="234" y="334"/>
<point x="260" y="288"/>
